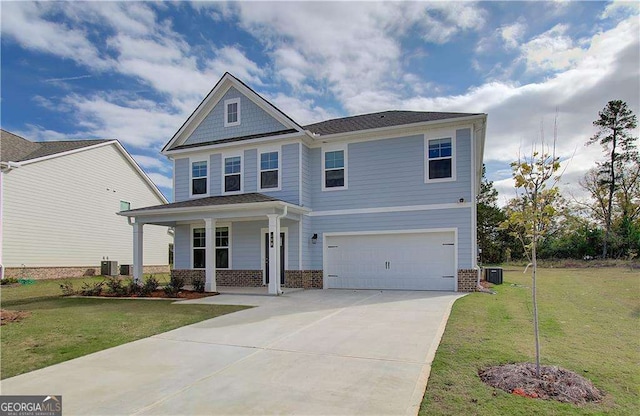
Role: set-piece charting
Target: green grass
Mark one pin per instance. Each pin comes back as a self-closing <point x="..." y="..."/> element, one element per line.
<point x="589" y="323"/>
<point x="60" y="329"/>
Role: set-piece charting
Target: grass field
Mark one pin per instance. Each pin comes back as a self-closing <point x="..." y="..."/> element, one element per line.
<point x="60" y="329"/>
<point x="589" y="323"/>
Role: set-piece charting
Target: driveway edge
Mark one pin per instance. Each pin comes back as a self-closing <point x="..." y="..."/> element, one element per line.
<point x="421" y="384"/>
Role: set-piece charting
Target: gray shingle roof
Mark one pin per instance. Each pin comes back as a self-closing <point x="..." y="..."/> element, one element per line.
<point x="378" y="120"/>
<point x="212" y="201"/>
<point x="14" y="148"/>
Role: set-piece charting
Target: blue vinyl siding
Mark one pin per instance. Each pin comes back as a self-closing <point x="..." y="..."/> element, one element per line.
<point x="253" y="120"/>
<point x="459" y="218"/>
<point x="181" y="174"/>
<point x="290" y="188"/>
<point x="390" y="172"/>
<point x="215" y="174"/>
<point x="181" y="247"/>
<point x="250" y="170"/>
<point x="246" y="244"/>
<point x="306" y="176"/>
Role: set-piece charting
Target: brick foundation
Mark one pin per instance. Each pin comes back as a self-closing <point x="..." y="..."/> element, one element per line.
<point x="238" y="278"/>
<point x="42" y="273"/>
<point x="305" y="279"/>
<point x="187" y="274"/>
<point x="467" y="280"/>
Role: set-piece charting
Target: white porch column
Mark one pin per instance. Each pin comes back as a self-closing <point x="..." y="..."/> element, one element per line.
<point x="274" y="254"/>
<point x="210" y="254"/>
<point x="138" y="245"/>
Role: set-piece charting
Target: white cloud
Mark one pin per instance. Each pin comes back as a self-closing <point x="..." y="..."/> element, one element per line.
<point x="617" y="9"/>
<point x="512" y="34"/>
<point x="552" y="50"/>
<point x="161" y="180"/>
<point x="152" y="162"/>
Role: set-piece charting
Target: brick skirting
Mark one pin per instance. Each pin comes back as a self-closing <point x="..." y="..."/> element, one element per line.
<point x="467" y="280"/>
<point x="305" y="279"/>
<point x="42" y="273"/>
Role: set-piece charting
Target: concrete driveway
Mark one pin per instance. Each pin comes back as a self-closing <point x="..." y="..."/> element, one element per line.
<point x="306" y="352"/>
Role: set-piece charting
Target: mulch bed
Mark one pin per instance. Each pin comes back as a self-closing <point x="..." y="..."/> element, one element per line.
<point x="7" y="316"/>
<point x="555" y="383"/>
<point x="183" y="294"/>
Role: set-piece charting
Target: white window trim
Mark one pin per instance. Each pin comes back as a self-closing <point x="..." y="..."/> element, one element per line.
<point x="226" y="112"/>
<point x="199" y="159"/>
<point x="218" y="225"/>
<point x="334" y="148"/>
<point x="264" y="231"/>
<point x="224" y="175"/>
<point x="270" y="150"/>
<point x="448" y="134"/>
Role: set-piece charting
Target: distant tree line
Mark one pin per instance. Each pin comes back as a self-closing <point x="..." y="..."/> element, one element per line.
<point x="604" y="225"/>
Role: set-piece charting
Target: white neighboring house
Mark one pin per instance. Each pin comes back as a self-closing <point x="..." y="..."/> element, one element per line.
<point x="58" y="205"/>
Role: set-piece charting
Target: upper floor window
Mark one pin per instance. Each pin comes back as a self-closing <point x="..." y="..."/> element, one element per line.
<point x="233" y="174"/>
<point x="440" y="159"/>
<point x="334" y="169"/>
<point x="199" y="177"/>
<point x="232" y="112"/>
<point x="125" y="206"/>
<point x="269" y="170"/>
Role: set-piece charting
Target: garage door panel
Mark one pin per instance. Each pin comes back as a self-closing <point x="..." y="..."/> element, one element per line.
<point x="415" y="261"/>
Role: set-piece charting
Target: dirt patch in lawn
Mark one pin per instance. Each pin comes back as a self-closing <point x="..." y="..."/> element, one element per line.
<point x="183" y="294"/>
<point x="7" y="316"/>
<point x="555" y="383"/>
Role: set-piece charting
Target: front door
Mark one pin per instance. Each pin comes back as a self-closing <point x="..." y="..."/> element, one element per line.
<point x="266" y="257"/>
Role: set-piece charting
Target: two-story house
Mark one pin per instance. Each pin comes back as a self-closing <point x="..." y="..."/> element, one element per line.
<point x="375" y="201"/>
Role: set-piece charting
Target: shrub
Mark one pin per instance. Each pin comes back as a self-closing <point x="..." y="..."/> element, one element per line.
<point x="115" y="286"/>
<point x="171" y="291"/>
<point x="133" y="287"/>
<point x="67" y="289"/>
<point x="150" y="285"/>
<point x="8" y="281"/>
<point x="176" y="281"/>
<point x="91" y="289"/>
<point x="198" y="283"/>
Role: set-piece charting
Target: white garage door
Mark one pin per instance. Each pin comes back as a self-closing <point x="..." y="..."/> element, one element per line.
<point x="423" y="261"/>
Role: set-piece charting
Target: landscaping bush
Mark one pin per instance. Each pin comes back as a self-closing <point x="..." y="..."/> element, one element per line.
<point x="198" y="283"/>
<point x="176" y="283"/>
<point x="133" y="287"/>
<point x="91" y="289"/>
<point x="8" y="281"/>
<point x="149" y="286"/>
<point x="67" y="289"/>
<point x="116" y="287"/>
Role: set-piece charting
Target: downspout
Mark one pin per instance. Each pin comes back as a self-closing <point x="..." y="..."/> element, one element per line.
<point x="284" y="214"/>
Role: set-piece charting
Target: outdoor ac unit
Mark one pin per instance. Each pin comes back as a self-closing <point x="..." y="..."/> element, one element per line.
<point x="126" y="269"/>
<point x="109" y="268"/>
<point x="493" y="275"/>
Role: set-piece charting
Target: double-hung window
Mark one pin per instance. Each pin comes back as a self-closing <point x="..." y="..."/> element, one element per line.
<point x="199" y="244"/>
<point x="440" y="159"/>
<point x="199" y="248"/>
<point x="335" y="173"/>
<point x="233" y="174"/>
<point x="222" y="247"/>
<point x="125" y="206"/>
<point x="232" y="112"/>
<point x="269" y="170"/>
<point x="199" y="177"/>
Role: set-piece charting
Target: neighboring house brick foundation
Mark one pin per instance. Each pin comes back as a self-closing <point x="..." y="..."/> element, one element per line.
<point x="467" y="280"/>
<point x="42" y="273"/>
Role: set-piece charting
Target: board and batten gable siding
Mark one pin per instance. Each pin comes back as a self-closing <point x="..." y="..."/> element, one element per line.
<point x="61" y="212"/>
<point x="459" y="218"/>
<point x="253" y="120"/>
<point x="391" y="172"/>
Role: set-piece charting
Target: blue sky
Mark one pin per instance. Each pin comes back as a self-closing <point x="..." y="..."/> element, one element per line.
<point x="134" y="71"/>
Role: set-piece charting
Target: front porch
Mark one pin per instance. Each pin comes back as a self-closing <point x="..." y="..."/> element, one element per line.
<point x="230" y="241"/>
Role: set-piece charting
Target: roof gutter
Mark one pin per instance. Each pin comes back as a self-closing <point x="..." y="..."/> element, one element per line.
<point x="227" y="207"/>
<point x="7" y="166"/>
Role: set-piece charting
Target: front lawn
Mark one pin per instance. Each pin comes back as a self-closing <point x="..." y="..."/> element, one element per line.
<point x="59" y="329"/>
<point x="589" y="323"/>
